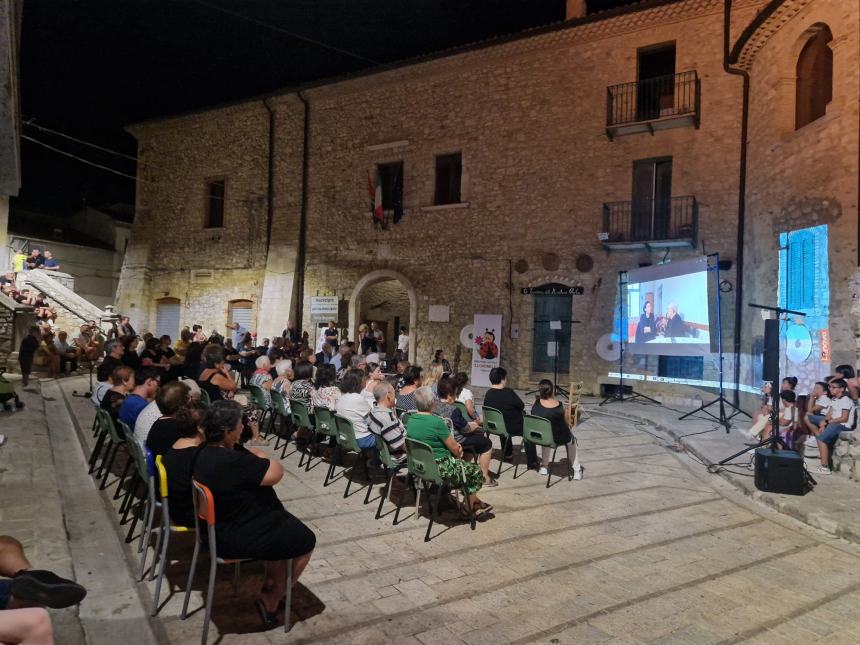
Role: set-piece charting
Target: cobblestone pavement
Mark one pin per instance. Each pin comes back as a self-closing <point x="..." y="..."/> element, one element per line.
<point x="646" y="548"/>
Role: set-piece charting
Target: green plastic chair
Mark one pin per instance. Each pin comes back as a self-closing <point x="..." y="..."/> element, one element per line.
<point x="346" y="443"/>
<point x="258" y="397"/>
<point x="301" y="418"/>
<point x="494" y="424"/>
<point x="115" y="440"/>
<point x="145" y="508"/>
<point x="280" y="408"/>
<point x="102" y="435"/>
<point x="538" y="431"/>
<point x="421" y="464"/>
<point x="204" y="398"/>
<point x="463" y="410"/>
<point x="324" y="424"/>
<point x="390" y="466"/>
<point x="405" y="416"/>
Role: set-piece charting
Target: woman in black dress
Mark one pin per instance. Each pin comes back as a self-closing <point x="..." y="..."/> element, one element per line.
<point x="646" y="329"/>
<point x="251" y="522"/>
<point x="548" y="407"/>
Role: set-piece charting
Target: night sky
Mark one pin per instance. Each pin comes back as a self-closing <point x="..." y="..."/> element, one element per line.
<point x="88" y="67"/>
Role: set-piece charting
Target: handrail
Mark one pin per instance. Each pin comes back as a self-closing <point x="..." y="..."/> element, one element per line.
<point x="653" y="98"/>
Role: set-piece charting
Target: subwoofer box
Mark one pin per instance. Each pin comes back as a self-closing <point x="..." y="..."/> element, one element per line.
<point x="779" y="471"/>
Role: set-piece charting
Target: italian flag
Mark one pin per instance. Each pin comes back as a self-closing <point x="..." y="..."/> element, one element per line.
<point x="374" y="191"/>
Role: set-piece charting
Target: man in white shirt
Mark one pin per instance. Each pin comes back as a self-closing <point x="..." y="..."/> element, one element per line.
<point x="147" y="417"/>
<point x="238" y="334"/>
<point x="840" y="418"/>
<point x="403" y="342"/>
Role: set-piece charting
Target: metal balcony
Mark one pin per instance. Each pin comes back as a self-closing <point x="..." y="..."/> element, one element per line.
<point x="650" y="224"/>
<point x="654" y="104"/>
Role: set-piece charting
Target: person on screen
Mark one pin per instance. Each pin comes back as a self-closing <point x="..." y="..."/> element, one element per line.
<point x="646" y="328"/>
<point x="674" y="324"/>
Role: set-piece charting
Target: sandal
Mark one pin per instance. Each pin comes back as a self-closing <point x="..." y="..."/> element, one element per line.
<point x="482" y="506"/>
<point x="269" y="619"/>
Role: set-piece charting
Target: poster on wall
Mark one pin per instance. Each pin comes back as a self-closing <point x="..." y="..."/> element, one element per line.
<point x="485" y="351"/>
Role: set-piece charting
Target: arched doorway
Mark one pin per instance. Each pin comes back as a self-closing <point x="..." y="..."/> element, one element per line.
<point x="386" y="297"/>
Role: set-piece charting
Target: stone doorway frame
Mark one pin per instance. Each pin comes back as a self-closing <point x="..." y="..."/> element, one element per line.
<point x="372" y="278"/>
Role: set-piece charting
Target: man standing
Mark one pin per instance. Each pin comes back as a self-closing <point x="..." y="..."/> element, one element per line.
<point x="238" y="334"/>
<point x="403" y="342"/>
<point x="291" y="333"/>
<point x="125" y="328"/>
<point x="35" y="259"/>
<point x="50" y="262"/>
<point x="331" y="334"/>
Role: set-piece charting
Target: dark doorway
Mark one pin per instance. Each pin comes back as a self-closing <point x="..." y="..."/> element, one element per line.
<point x="656" y="81"/>
<point x="547" y="309"/>
<point x="651" y="206"/>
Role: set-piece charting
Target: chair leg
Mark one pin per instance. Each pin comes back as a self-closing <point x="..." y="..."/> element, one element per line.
<point x="434" y="509"/>
<point x="367" y="477"/>
<point x="209" y="593"/>
<point x="288" y="599"/>
<point x="400" y="503"/>
<point x="191" y="572"/>
<point x="312" y="441"/>
<point x="162" y="565"/>
<point x="549" y="468"/>
<point x="96" y="451"/>
<point x="128" y="461"/>
<point x="237" y="569"/>
<point x="502" y="460"/>
<point x="156" y="553"/>
<point x="349" y="480"/>
<point x="112" y="449"/>
<point x="467" y="500"/>
<point x="128" y="500"/>
<point x="135" y="517"/>
<point x="384" y="494"/>
<point x="518" y="458"/>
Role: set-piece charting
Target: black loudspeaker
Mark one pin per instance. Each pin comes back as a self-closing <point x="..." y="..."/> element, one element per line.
<point x="611" y="389"/>
<point x="770" y="369"/>
<point x="779" y="471"/>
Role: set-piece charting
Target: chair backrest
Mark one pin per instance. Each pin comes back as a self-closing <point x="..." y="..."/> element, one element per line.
<point x="463" y="410"/>
<point x="494" y="422"/>
<point x="204" y="502"/>
<point x="162" y="476"/>
<point x="301" y="416"/>
<point x="537" y="430"/>
<point x="421" y="462"/>
<point x="279" y="403"/>
<point x="204" y="398"/>
<point x="345" y="434"/>
<point x="405" y="416"/>
<point x="107" y="424"/>
<point x="138" y="452"/>
<point x="384" y="453"/>
<point x="258" y="397"/>
<point x="324" y="422"/>
<point x="150" y="462"/>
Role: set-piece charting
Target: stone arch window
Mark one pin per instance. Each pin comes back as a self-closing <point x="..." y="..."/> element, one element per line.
<point x="814" y="76"/>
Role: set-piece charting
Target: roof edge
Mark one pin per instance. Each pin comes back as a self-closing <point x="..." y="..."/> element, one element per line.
<point x="746" y="35"/>
<point x="488" y="43"/>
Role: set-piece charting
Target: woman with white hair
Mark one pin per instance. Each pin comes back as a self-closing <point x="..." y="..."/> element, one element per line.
<point x="261" y="377"/>
<point x="283" y="381"/>
<point x="432" y="430"/>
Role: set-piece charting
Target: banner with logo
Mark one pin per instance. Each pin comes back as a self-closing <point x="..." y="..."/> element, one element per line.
<point x="487" y="344"/>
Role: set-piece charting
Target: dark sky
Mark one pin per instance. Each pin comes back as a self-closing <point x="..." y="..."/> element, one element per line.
<point x="90" y="66"/>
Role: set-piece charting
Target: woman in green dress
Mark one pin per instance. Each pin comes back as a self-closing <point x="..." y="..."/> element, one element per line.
<point x="432" y="430"/>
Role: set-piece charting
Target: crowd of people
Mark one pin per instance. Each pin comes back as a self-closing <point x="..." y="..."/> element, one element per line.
<point x="814" y="420"/>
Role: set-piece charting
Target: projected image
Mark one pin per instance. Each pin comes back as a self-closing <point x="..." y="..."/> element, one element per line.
<point x="668" y="309"/>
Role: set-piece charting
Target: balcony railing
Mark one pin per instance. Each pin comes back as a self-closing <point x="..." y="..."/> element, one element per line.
<point x="653" y="104"/>
<point x="651" y="223"/>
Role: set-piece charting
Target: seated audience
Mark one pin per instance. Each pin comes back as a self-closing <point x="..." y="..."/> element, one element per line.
<point x="839" y="418"/>
<point x="434" y="375"/>
<point x="431" y="429"/>
<point x="847" y="374"/>
<point x="160" y="433"/>
<point x="326" y="394"/>
<point x="440" y="359"/>
<point x="406" y="394"/>
<point x="816" y="406"/>
<point x="24" y="594"/>
<point x="283" y="381"/>
<point x="303" y="389"/>
<point x="506" y="401"/>
<point x="383" y="421"/>
<point x="130" y="354"/>
<point x="216" y="378"/>
<point x="374" y="376"/>
<point x="548" y="407"/>
<point x="146" y="381"/>
<point x="466" y="432"/>
<point x="354" y="406"/>
<point x="465" y="396"/>
<point x="261" y="377"/>
<point x="47" y="354"/>
<point x="402" y="367"/>
<point x="251" y="522"/>
<point x="68" y="354"/>
<point x="122" y="382"/>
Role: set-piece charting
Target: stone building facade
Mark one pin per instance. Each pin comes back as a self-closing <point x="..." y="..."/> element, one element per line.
<point x="545" y="170"/>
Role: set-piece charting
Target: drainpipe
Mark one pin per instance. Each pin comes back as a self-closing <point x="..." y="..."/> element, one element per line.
<point x="270" y="187"/>
<point x="742" y="185"/>
<point x="303" y="217"/>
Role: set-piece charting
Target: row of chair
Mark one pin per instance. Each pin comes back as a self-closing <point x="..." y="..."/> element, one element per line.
<point x="152" y="475"/>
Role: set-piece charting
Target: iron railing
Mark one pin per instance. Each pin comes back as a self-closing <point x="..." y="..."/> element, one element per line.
<point x="647" y="220"/>
<point x="653" y="98"/>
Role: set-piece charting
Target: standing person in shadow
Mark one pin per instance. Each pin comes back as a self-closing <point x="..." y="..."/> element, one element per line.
<point x="646" y="328"/>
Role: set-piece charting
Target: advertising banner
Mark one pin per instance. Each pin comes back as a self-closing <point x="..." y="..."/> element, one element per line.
<point x="485" y="352"/>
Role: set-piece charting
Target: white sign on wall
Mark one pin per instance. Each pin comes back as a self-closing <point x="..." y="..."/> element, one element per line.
<point x="324" y="307"/>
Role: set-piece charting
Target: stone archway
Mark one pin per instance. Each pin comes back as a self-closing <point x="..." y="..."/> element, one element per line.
<point x="373" y="278"/>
